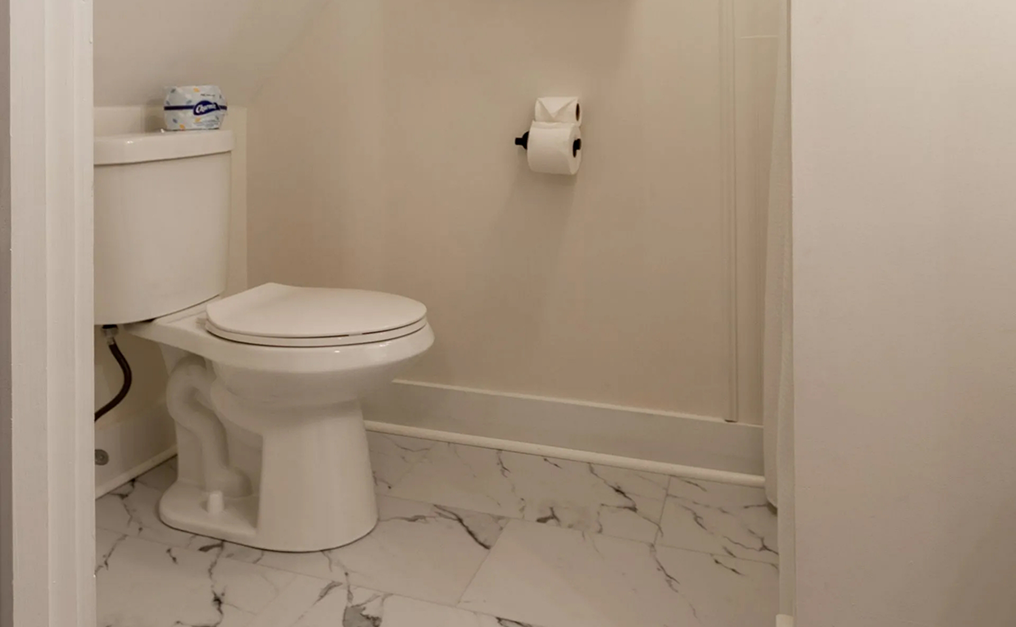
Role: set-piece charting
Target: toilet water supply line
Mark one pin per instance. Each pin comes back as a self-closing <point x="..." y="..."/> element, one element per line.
<point x="110" y="331"/>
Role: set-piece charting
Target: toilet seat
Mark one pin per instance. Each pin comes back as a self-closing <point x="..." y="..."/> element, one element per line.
<point x="287" y="316"/>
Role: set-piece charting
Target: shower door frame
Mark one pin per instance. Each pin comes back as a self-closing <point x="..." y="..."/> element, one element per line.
<point x="47" y="506"/>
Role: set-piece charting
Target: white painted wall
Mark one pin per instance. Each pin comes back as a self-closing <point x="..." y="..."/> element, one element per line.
<point x="6" y="477"/>
<point x="521" y="244"/>
<point x="613" y="287"/>
<point x="905" y="312"/>
<point x="143" y="45"/>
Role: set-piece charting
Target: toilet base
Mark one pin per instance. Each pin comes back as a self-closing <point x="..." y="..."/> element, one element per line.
<point x="271" y="442"/>
<point x="186" y="508"/>
<point x="285" y="473"/>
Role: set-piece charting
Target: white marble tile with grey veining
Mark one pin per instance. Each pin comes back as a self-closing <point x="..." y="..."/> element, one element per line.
<point x="575" y="495"/>
<point x="555" y="577"/>
<point x="417" y="549"/>
<point x="313" y="602"/>
<point x="423" y="551"/>
<point x="162" y="476"/>
<point x="391" y="457"/>
<point x="719" y="518"/>
<point x="421" y="559"/>
<point x="146" y="583"/>
<point x="133" y="508"/>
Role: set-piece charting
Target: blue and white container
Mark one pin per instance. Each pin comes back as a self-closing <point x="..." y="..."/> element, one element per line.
<point x="194" y="108"/>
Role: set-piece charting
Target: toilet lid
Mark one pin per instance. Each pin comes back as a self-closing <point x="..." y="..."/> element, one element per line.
<point x="282" y="315"/>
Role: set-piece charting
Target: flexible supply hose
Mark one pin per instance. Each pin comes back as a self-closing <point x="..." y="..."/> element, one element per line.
<point x="110" y="331"/>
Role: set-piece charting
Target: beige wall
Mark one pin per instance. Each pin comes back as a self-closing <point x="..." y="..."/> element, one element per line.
<point x="143" y="45"/>
<point x="905" y="312"/>
<point x="6" y="362"/>
<point x="381" y="157"/>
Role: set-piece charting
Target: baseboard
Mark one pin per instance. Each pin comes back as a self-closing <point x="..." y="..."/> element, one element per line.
<point x="134" y="445"/>
<point x="679" y="441"/>
<point x="670" y="443"/>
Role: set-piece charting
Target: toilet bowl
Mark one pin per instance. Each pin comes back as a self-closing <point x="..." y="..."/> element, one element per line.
<point x="270" y="436"/>
<point x="265" y="385"/>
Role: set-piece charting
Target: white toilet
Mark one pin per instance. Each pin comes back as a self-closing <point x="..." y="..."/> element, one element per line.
<point x="264" y="386"/>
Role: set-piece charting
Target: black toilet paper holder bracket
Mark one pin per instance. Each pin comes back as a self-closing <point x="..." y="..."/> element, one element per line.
<point x="524" y="142"/>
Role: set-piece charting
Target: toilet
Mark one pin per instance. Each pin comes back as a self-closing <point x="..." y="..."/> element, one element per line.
<point x="265" y="385"/>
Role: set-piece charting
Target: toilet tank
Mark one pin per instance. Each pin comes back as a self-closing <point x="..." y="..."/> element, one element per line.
<point x="161" y="222"/>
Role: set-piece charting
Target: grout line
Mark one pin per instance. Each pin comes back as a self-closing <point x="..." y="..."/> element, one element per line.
<point x="490" y="552"/>
<point x="276" y="601"/>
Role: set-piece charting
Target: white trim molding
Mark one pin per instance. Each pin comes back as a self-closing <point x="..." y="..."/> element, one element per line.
<point x="50" y="272"/>
<point x="672" y="443"/>
<point x="728" y="143"/>
<point x="6" y="424"/>
<point x="679" y="445"/>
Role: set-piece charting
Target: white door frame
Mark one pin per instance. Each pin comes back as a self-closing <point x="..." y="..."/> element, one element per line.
<point x="48" y="539"/>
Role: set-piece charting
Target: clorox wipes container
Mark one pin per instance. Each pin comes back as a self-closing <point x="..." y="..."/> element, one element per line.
<point x="194" y="108"/>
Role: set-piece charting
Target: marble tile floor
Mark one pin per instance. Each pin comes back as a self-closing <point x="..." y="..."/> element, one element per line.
<point x="467" y="537"/>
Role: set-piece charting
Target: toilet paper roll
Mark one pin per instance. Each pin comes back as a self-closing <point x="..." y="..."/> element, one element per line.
<point x="194" y="107"/>
<point x="552" y="148"/>
<point x="562" y="109"/>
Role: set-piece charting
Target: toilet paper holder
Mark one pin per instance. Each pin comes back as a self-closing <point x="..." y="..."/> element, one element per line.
<point x="524" y="142"/>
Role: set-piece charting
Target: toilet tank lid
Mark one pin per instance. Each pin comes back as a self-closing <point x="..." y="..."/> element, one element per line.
<point x="141" y="147"/>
